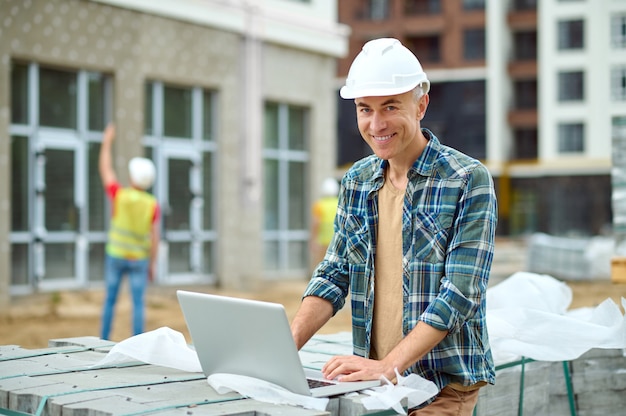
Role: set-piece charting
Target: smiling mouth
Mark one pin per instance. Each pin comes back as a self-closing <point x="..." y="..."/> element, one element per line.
<point x="382" y="138"/>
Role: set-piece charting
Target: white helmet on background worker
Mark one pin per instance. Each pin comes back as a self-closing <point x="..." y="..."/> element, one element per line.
<point x="142" y="172"/>
<point x="330" y="187"/>
<point x="384" y="67"/>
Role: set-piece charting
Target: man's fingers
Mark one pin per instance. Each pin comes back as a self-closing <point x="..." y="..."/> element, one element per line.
<point x="342" y="366"/>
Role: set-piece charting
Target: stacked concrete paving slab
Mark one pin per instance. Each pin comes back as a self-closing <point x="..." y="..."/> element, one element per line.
<point x="57" y="381"/>
<point x="592" y="385"/>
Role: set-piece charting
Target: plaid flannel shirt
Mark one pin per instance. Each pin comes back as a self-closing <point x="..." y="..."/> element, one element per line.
<point x="448" y="230"/>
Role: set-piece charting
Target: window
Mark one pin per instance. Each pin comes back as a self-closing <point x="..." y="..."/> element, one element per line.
<point x="456" y="114"/>
<point x="61" y="111"/>
<point x="571" y="34"/>
<point x="97" y="85"/>
<point x="474" y="98"/>
<point x="571" y="86"/>
<point x="618" y="83"/>
<point x="426" y="48"/>
<point x="351" y="147"/>
<point x="414" y="7"/>
<point x="619" y="141"/>
<point x="525" y="146"/>
<point x="473" y="4"/>
<point x="618" y="31"/>
<point x="525" y="94"/>
<point x="20" y="220"/>
<point x="525" y="4"/>
<point x="619" y="128"/>
<point x="571" y="137"/>
<point x="177" y="114"/>
<point x="524" y="197"/>
<point x="525" y="46"/>
<point x="285" y="166"/>
<point x="474" y="44"/>
<point x="373" y="10"/>
<point x="619" y="163"/>
<point x="19" y="93"/>
<point x="619" y="148"/>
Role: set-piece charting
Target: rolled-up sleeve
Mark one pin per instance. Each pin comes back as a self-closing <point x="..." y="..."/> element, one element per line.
<point x="469" y="256"/>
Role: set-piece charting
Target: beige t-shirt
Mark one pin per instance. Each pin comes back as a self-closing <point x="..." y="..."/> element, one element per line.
<point x="387" y="323"/>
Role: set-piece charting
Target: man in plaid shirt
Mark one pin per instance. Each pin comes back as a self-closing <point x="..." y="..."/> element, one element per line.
<point x="413" y="244"/>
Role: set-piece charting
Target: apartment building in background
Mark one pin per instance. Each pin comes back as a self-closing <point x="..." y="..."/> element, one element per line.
<point x="234" y="101"/>
<point x="536" y="89"/>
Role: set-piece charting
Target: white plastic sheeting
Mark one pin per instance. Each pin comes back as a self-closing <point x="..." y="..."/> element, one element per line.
<point x="527" y="315"/>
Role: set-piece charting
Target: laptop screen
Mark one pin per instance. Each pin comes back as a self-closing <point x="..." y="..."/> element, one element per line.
<point x="245" y="337"/>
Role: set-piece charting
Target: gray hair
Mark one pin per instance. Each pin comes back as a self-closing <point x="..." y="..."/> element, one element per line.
<point x="418" y="92"/>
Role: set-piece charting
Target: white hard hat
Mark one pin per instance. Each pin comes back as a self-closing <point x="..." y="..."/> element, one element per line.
<point x="330" y="187"/>
<point x="142" y="172"/>
<point x="384" y="67"/>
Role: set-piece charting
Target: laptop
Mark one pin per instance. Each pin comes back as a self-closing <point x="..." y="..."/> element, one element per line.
<point x="253" y="338"/>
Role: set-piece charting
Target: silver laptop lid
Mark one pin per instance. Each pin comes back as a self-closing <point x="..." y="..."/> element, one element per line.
<point x="244" y="337"/>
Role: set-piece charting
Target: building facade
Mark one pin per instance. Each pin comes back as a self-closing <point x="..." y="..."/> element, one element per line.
<point x="234" y="101"/>
<point x="532" y="88"/>
<point x="554" y="159"/>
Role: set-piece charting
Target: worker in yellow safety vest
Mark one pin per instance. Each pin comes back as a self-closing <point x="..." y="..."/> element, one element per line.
<point x="323" y="217"/>
<point x="133" y="237"/>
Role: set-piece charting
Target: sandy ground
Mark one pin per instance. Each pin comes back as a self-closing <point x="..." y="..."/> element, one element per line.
<point x="33" y="320"/>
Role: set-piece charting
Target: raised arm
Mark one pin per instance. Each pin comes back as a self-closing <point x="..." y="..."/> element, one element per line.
<point x="105" y="164"/>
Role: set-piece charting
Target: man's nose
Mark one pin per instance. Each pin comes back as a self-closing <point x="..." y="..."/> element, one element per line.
<point x="378" y="121"/>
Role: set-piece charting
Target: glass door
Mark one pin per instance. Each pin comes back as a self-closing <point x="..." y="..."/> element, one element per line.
<point x="181" y="202"/>
<point x="58" y="238"/>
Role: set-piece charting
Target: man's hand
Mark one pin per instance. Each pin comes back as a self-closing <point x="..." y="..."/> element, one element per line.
<point x="355" y="368"/>
<point x="109" y="133"/>
<point x="412" y="348"/>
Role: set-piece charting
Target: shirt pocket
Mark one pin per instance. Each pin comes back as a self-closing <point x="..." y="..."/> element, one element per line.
<point x="430" y="236"/>
<point x="357" y="240"/>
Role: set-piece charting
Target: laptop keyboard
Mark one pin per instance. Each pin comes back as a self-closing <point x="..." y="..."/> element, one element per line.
<point x="313" y="383"/>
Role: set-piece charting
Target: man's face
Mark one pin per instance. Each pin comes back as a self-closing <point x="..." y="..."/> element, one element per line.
<point x="391" y="124"/>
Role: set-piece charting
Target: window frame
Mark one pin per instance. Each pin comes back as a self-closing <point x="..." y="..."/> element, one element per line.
<point x="284" y="236"/>
<point x="571" y="34"/>
<point x="618" y="31"/>
<point x="525" y="45"/>
<point x="565" y="132"/>
<point x="474" y="44"/>
<point x="373" y="10"/>
<point x="426" y="48"/>
<point x="474" y="5"/>
<point x="571" y="86"/>
<point x="618" y="83"/>
<point x="422" y="7"/>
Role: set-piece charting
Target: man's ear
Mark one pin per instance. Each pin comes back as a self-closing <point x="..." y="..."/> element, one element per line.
<point x="422" y="105"/>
